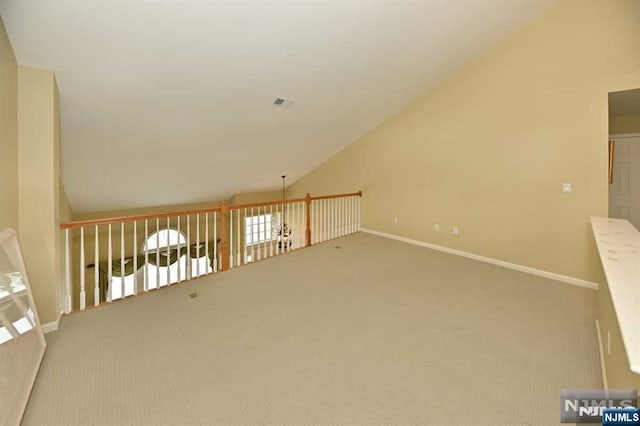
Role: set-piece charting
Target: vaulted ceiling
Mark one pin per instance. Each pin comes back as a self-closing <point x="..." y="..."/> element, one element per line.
<point x="167" y="102"/>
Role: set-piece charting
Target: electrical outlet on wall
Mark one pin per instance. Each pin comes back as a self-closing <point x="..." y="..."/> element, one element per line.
<point x="395" y="220"/>
<point x="456" y="231"/>
<point x="436" y="227"/>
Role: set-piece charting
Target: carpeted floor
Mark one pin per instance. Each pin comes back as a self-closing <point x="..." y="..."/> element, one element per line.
<point x="373" y="332"/>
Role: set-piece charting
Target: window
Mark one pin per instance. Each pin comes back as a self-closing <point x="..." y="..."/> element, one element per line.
<point x="157" y="246"/>
<point x="258" y="229"/>
<point x="163" y="239"/>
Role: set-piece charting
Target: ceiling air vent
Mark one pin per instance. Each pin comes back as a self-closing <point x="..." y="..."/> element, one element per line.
<point x="282" y="103"/>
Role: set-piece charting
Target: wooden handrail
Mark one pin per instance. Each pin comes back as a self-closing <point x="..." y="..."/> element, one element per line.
<point x="105" y="221"/>
<point x="324" y="197"/>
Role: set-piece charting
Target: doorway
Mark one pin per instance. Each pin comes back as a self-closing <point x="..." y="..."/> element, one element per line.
<point x="624" y="156"/>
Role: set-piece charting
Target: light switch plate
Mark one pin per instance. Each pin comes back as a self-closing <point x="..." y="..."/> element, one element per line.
<point x="566" y="187"/>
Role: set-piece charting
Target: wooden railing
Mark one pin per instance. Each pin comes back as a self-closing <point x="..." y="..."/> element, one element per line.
<point x="146" y="252"/>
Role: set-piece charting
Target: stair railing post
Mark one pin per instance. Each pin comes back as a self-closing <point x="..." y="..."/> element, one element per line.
<point x="224" y="248"/>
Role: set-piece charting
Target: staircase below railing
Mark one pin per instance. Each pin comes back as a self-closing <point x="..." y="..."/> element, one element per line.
<point x="110" y="259"/>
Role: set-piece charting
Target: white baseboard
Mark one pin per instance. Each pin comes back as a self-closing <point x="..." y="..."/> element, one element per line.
<point x="521" y="268"/>
<point x="603" y="367"/>
<point x="51" y="326"/>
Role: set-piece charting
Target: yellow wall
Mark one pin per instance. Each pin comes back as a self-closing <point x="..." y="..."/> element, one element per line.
<point x="489" y="148"/>
<point x="255" y="197"/>
<point x="624" y="124"/>
<point x="38" y="182"/>
<point x="8" y="134"/>
<point x="143" y="211"/>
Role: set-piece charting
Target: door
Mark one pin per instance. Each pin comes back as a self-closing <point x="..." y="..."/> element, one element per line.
<point x="624" y="190"/>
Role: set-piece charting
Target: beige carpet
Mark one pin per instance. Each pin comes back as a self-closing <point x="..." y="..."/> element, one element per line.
<point x="375" y="332"/>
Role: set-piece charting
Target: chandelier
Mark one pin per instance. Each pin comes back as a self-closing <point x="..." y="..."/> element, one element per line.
<point x="283" y="233"/>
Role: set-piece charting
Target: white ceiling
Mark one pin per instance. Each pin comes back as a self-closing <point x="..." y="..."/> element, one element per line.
<point x="167" y="102"/>
<point x="626" y="102"/>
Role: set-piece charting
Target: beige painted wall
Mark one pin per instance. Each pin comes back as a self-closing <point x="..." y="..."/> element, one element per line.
<point x="8" y="134"/>
<point x="143" y="211"/>
<point x="489" y="148"/>
<point x="255" y="197"/>
<point x="38" y="171"/>
<point x="624" y="124"/>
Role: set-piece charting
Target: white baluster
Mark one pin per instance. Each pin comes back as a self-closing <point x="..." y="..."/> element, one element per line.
<point x="302" y="224"/>
<point x="315" y="209"/>
<point x="296" y="215"/>
<point x="350" y="214"/>
<point x="145" y="278"/>
<point x="122" y="260"/>
<point x="340" y="217"/>
<point x="325" y="202"/>
<point x="318" y="209"/>
<point x="293" y="225"/>
<point x="206" y="240"/>
<point x="239" y="244"/>
<point x="345" y="216"/>
<point x="261" y="236"/>
<point x="198" y="244"/>
<point x="109" y="267"/>
<point x="262" y="231"/>
<point x="215" y="241"/>
<point x="327" y="232"/>
<point x="157" y="253"/>
<point x="354" y="200"/>
<point x="68" y="299"/>
<point x="83" y="268"/>
<point x="302" y="235"/>
<point x="179" y="248"/>
<point x="252" y="228"/>
<point x="289" y="215"/>
<point x="330" y="217"/>
<point x="188" y="271"/>
<point x="168" y="252"/>
<point x="280" y="213"/>
<point x="336" y="217"/>
<point x="135" y="257"/>
<point x="314" y="226"/>
<point x="231" y="264"/>
<point x="358" y="213"/>
<point x="96" y="270"/>
<point x="258" y="244"/>
<point x="270" y="249"/>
